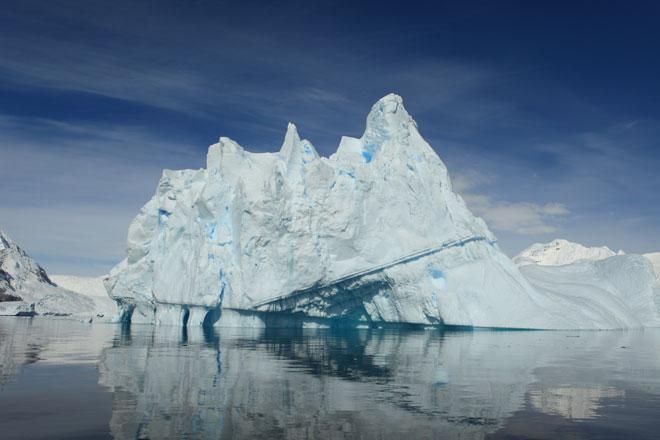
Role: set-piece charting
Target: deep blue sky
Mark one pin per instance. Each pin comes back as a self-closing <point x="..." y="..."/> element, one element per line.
<point x="546" y="113"/>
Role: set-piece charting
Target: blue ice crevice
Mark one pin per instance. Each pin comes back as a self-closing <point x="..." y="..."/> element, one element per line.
<point x="163" y="215"/>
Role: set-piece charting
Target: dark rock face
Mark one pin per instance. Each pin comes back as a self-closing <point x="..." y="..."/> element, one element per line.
<point x="16" y="266"/>
<point x="43" y="276"/>
<point x="5" y="281"/>
<point x="6" y="297"/>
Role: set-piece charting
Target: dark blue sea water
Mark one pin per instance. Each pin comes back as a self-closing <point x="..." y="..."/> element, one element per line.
<point x="69" y="380"/>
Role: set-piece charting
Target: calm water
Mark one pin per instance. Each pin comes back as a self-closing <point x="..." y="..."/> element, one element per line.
<point x="62" y="379"/>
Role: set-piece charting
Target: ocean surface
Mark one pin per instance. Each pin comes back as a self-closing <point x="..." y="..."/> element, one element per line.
<point x="72" y="380"/>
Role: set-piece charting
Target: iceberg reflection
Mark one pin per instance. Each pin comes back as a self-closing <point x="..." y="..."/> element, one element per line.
<point x="160" y="382"/>
<point x="573" y="402"/>
<point x="364" y="384"/>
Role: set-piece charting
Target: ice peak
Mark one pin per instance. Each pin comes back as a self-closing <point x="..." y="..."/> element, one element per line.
<point x="387" y="120"/>
<point x="390" y="98"/>
<point x="291" y="128"/>
<point x="296" y="149"/>
<point x="291" y="139"/>
<point x="388" y="115"/>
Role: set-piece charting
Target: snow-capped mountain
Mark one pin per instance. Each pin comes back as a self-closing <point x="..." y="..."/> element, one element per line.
<point x="17" y="269"/>
<point x="559" y="252"/>
<point x="27" y="290"/>
<point x="372" y="234"/>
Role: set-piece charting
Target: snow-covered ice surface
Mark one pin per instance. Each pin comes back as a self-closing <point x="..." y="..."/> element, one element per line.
<point x="616" y="292"/>
<point x="22" y="277"/>
<point x="372" y="234"/>
<point x="625" y="286"/>
<point x="90" y="287"/>
<point x="654" y="258"/>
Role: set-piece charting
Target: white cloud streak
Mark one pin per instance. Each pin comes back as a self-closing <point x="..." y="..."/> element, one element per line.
<point x="69" y="191"/>
<point x="523" y="218"/>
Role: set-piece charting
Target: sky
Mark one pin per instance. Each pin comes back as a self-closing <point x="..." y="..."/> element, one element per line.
<point x="546" y="113"/>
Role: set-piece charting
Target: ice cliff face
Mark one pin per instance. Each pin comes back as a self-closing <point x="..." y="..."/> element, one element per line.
<point x="372" y="234"/>
<point x="559" y="252"/>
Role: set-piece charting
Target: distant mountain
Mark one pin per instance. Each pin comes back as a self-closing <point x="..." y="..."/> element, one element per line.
<point x="26" y="289"/>
<point x="17" y="269"/>
<point x="559" y="252"/>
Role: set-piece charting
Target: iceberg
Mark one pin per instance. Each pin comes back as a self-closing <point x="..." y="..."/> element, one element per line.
<point x="372" y="235"/>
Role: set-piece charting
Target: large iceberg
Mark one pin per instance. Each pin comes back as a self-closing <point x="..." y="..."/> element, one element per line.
<point x="371" y="235"/>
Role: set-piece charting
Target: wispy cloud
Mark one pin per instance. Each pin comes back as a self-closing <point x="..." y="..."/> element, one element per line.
<point x="524" y="218"/>
<point x="596" y="187"/>
<point x="521" y="217"/>
<point x="69" y="191"/>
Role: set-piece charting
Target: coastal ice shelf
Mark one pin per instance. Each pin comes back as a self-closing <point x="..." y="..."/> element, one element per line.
<point x="373" y="234"/>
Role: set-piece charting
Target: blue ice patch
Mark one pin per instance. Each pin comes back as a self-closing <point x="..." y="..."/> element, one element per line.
<point x="436" y="273"/>
<point x="437" y="278"/>
<point x="367" y="156"/>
